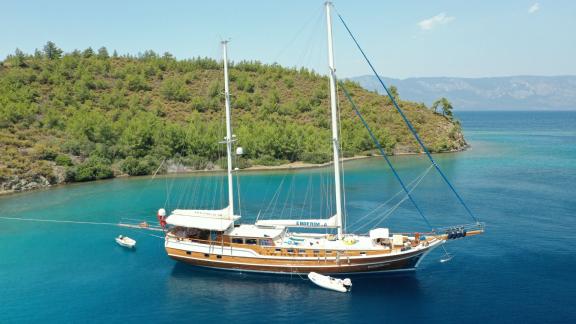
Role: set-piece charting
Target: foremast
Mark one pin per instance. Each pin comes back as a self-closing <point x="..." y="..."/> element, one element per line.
<point x="229" y="139"/>
<point x="334" y="116"/>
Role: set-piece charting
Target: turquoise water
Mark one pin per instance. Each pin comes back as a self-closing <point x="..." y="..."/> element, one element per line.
<point x="519" y="177"/>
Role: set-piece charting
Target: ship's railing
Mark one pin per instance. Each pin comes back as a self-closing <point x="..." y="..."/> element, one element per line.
<point x="475" y="228"/>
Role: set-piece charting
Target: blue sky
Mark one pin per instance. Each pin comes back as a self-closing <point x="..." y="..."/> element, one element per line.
<point x="403" y="38"/>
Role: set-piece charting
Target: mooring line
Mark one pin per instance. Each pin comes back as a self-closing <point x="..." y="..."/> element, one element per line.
<point x="81" y="222"/>
<point x="56" y="221"/>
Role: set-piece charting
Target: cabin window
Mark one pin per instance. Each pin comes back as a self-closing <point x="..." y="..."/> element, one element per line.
<point x="290" y="250"/>
<point x="251" y="241"/>
<point x="218" y="257"/>
<point x="188" y="252"/>
<point x="328" y="252"/>
<point x="238" y="240"/>
<point x="207" y="255"/>
<point x="363" y="253"/>
<point x="266" y="242"/>
<point x="316" y="251"/>
<point x="278" y="250"/>
<point x="301" y="251"/>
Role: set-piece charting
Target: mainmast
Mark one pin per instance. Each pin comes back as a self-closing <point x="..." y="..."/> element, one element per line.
<point x="335" y="133"/>
<point x="228" y="140"/>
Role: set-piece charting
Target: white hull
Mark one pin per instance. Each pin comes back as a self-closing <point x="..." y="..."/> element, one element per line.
<point x="126" y="242"/>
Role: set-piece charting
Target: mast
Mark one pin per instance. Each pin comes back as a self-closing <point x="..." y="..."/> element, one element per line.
<point x="334" y="113"/>
<point x="228" y="140"/>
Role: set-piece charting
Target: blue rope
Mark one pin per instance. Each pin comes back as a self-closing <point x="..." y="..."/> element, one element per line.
<point x="409" y="124"/>
<point x="383" y="153"/>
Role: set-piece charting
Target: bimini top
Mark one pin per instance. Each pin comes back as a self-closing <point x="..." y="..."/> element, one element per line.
<point x="215" y="220"/>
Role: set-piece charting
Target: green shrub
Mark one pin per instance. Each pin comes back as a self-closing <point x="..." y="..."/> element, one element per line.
<point x="93" y="169"/>
<point x="137" y="167"/>
<point x="63" y="160"/>
<point x="137" y="82"/>
<point x="268" y="160"/>
<point x="175" y="89"/>
<point x="47" y="153"/>
<point x="315" y="157"/>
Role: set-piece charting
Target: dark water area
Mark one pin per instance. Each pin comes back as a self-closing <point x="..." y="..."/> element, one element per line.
<point x="519" y="177"/>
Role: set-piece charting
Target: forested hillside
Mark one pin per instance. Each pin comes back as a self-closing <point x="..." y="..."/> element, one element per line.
<point x="89" y="115"/>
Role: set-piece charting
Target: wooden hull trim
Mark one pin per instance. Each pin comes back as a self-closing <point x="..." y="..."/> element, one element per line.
<point x="251" y="254"/>
<point x="405" y="263"/>
<point x="343" y="263"/>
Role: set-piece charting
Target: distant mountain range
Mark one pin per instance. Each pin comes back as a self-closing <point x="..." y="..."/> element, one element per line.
<point x="499" y="93"/>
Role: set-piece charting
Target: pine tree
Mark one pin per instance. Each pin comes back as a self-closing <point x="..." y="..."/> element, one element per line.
<point x="446" y="106"/>
<point x="51" y="51"/>
<point x="89" y="52"/>
<point x="103" y="53"/>
<point x="19" y="58"/>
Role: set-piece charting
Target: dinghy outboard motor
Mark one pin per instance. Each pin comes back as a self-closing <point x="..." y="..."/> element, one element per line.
<point x="347" y="283"/>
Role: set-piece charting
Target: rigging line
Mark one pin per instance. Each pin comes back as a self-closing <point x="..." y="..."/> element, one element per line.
<point x="288" y="196"/>
<point x="384" y="155"/>
<point x="305" y="199"/>
<point x="391" y="210"/>
<point x="293" y="197"/>
<point x="275" y="196"/>
<point x="311" y="184"/>
<point x="409" y="124"/>
<point x="411" y="185"/>
<point x="315" y="17"/>
<point x="268" y="180"/>
<point x="148" y="182"/>
<point x="387" y="213"/>
<point x="306" y="55"/>
<point x="156" y="172"/>
<point x="168" y="190"/>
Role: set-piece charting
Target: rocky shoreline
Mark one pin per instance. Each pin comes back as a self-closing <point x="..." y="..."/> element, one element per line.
<point x="17" y="184"/>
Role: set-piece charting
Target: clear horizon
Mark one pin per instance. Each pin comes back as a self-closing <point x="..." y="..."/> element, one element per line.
<point x="441" y="39"/>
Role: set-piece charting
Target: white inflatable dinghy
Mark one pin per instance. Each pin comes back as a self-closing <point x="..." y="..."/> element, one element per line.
<point x="125" y="241"/>
<point x="341" y="285"/>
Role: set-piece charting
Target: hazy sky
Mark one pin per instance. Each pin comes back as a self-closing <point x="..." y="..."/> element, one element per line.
<point x="403" y="38"/>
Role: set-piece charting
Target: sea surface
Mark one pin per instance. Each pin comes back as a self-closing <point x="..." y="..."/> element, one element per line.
<point x="519" y="177"/>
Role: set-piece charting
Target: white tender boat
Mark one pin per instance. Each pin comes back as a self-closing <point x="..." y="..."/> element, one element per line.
<point x="125" y="241"/>
<point x="341" y="285"/>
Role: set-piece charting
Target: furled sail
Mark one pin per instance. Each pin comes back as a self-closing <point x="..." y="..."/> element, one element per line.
<point x="216" y="220"/>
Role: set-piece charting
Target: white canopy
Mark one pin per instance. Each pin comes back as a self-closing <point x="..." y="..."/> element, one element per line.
<point x="308" y="223"/>
<point x="215" y="220"/>
<point x="246" y="230"/>
<point x="379" y="233"/>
